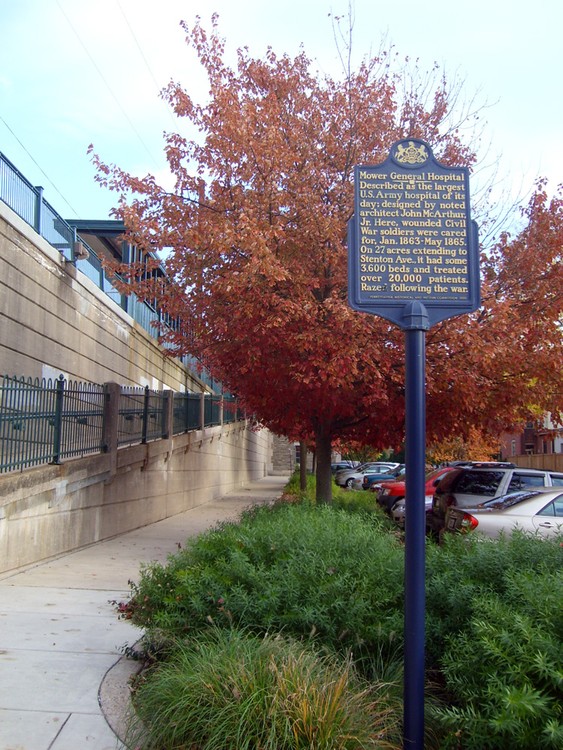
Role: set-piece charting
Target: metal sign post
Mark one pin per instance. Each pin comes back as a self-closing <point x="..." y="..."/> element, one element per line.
<point x="413" y="259"/>
<point x="416" y="324"/>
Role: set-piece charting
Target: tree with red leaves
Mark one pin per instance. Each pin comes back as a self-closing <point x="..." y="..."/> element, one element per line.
<point x="257" y="265"/>
<point x="503" y="365"/>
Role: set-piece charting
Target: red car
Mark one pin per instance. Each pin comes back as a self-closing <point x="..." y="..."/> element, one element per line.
<point x="390" y="492"/>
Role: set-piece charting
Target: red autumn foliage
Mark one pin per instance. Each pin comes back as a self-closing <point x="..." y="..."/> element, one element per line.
<point x="256" y="229"/>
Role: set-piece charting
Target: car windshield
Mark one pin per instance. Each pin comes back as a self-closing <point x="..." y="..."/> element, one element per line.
<point x="506" y="501"/>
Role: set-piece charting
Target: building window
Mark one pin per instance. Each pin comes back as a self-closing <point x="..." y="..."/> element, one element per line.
<point x="513" y="448"/>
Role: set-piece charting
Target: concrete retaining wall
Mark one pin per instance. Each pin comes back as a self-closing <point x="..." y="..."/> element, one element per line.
<point x="51" y="510"/>
<point x="55" y="320"/>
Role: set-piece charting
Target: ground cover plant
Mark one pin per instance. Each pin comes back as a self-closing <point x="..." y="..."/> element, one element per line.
<point x="332" y="580"/>
<point x="342" y="497"/>
<point x="295" y="568"/>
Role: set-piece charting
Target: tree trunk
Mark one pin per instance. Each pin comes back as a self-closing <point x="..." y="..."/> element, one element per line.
<point x="323" y="473"/>
<point x="303" y="465"/>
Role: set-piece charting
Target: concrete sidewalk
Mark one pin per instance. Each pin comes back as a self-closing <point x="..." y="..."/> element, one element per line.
<point x="62" y="679"/>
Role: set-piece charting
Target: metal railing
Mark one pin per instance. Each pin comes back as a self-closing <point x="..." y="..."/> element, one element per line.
<point x="186" y="412"/>
<point x="45" y="421"/>
<point x="141" y="415"/>
<point x="212" y="410"/>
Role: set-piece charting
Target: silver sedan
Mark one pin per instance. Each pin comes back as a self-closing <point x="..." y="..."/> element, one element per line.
<point x="537" y="511"/>
<point x="346" y="478"/>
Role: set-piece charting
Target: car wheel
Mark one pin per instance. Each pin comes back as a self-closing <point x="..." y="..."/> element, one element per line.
<point x="349" y="483"/>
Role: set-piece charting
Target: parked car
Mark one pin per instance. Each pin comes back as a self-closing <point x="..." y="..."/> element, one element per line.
<point x="468" y="486"/>
<point x="346" y="477"/>
<point x="536" y="511"/>
<point x="344" y="466"/>
<point x="366" y="479"/>
<point x="398" y="511"/>
<point x="392" y="494"/>
<point x="374" y="481"/>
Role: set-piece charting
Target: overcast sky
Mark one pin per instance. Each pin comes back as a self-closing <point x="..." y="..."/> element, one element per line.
<point x="75" y="72"/>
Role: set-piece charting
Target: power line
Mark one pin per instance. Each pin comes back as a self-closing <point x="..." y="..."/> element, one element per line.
<point x="39" y="167"/>
<point x="115" y="98"/>
<point x="148" y="67"/>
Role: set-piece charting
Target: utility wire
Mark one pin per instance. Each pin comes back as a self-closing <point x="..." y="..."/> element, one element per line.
<point x="148" y="67"/>
<point x="39" y="167"/>
<point x="115" y="98"/>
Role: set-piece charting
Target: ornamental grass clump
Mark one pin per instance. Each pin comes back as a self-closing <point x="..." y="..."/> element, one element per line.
<point x="230" y="690"/>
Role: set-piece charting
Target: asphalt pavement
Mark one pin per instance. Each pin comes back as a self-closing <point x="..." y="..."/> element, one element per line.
<point x="63" y="676"/>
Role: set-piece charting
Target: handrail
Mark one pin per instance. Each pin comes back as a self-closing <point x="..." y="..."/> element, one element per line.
<point x="46" y="421"/>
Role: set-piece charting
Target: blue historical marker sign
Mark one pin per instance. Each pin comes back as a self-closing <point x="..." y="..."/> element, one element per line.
<point x="411" y="237"/>
<point x="413" y="259"/>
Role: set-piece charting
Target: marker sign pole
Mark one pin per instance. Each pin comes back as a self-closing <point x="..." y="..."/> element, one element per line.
<point x="413" y="259"/>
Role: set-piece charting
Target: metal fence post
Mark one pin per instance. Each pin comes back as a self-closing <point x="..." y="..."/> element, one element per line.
<point x="38" y="218"/>
<point x="167" y="414"/>
<point x="58" y="416"/>
<point x="145" y="415"/>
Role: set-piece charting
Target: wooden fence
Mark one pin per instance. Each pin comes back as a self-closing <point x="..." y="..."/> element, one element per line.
<point x="549" y="461"/>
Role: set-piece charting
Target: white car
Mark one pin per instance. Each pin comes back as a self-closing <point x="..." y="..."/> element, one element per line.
<point x="537" y="511"/>
<point x="346" y="478"/>
<point x="399" y="509"/>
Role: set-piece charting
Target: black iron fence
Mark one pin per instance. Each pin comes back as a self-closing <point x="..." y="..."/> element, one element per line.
<point x="140" y="415"/>
<point x="46" y="421"/>
<point x="186" y="412"/>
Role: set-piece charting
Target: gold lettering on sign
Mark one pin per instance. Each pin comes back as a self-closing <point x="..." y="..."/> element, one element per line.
<point x="413" y="231"/>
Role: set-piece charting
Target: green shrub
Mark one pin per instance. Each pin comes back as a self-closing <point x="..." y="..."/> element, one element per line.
<point x="505" y="674"/>
<point x="346" y="499"/>
<point x="297" y="569"/>
<point x="293" y="487"/>
<point x="229" y="690"/>
<point x="495" y="627"/>
<point x="464" y="569"/>
<point x="334" y="579"/>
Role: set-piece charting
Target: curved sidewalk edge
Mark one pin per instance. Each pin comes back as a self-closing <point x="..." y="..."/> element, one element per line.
<point x="114" y="694"/>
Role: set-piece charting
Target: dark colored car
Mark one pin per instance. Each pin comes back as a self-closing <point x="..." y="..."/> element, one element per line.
<point x="370" y="481"/>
